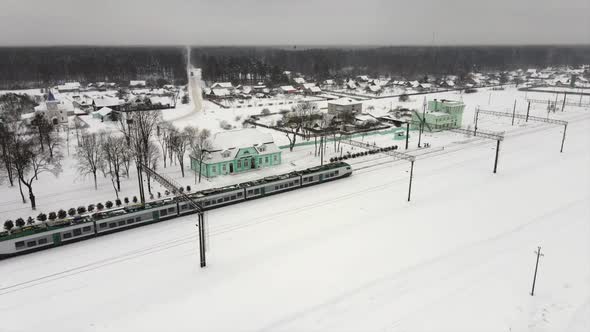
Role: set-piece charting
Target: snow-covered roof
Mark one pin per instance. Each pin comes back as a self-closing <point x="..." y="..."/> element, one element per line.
<point x="137" y="83"/>
<point x="104" y="111"/>
<point x="299" y="80"/>
<point x="344" y="102"/>
<point x="226" y="144"/>
<point x="161" y="100"/>
<point x="105" y="101"/>
<point x="450" y="83"/>
<point x="374" y="88"/>
<point x="329" y="82"/>
<point x="426" y="85"/>
<point x="364" y="78"/>
<point x="226" y="85"/>
<point x="220" y="92"/>
<point x="315" y="89"/>
<point x="308" y="85"/>
<point x="288" y="88"/>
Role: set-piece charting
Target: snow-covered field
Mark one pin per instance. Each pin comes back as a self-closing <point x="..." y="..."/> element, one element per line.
<point x="351" y="255"/>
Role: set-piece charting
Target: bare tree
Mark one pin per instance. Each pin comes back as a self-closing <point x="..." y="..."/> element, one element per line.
<point x="89" y="155"/>
<point x="29" y="161"/>
<point x="200" y="145"/>
<point x="114" y="150"/>
<point x="164" y="130"/>
<point x="295" y="121"/>
<point x="6" y="142"/>
<point x="179" y="141"/>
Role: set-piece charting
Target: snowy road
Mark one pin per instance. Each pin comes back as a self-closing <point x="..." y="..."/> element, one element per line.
<point x="351" y="255"/>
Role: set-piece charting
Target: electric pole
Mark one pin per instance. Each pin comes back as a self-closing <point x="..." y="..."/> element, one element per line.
<point x="513" y="111"/>
<point x="407" y="134"/>
<point x="539" y="254"/>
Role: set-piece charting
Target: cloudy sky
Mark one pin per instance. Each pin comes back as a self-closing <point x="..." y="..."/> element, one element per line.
<point x="293" y="22"/>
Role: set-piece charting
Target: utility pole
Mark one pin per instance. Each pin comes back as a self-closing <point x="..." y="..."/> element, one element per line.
<point x="539" y="254"/>
<point x="322" y="150"/>
<point x="513" y="111"/>
<point x="564" y="98"/>
<point x="411" y="176"/>
<point x="407" y="134"/>
<point x="497" y="153"/>
<point x="563" y="139"/>
<point x="201" y="226"/>
<point x="527" y="112"/>
<point x="422" y="121"/>
<point x="476" y="119"/>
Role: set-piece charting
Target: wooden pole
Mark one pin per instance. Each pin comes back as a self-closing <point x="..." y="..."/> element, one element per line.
<point x="497" y="153"/>
<point x="513" y="111"/>
<point x="563" y="139"/>
<point x="407" y="134"/>
<point x="538" y="252"/>
<point x="411" y="176"/>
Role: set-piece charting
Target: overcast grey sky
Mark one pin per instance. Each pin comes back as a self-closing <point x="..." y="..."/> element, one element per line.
<point x="288" y="22"/>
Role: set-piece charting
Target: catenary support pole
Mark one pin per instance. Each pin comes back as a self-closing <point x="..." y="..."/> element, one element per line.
<point x="476" y="119"/>
<point x="564" y="98"/>
<point x="513" y="111"/>
<point x="140" y="183"/>
<point x="563" y="139"/>
<point x="201" y="226"/>
<point x="527" y="112"/>
<point x="497" y="153"/>
<point x="538" y="252"/>
<point x="407" y="134"/>
<point x="411" y="176"/>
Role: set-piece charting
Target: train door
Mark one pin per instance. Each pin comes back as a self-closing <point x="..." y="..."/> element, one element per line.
<point x="262" y="191"/>
<point x="321" y="177"/>
<point x="56" y="238"/>
<point x="156" y="215"/>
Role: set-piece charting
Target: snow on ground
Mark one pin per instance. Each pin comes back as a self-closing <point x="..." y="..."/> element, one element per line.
<point x="351" y="255"/>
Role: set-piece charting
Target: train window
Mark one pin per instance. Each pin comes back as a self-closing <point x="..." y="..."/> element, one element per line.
<point x="250" y="192"/>
<point x="257" y="191"/>
<point x="336" y="173"/>
<point x="233" y="197"/>
<point x="122" y="223"/>
<point x="77" y="232"/>
<point x="113" y="225"/>
<point x="42" y="241"/>
<point x="102" y="225"/>
<point x="67" y="235"/>
<point x="276" y="187"/>
<point x="206" y="203"/>
<point x="219" y="200"/>
<point x="297" y="181"/>
<point x="19" y="244"/>
<point x="138" y="219"/>
<point x="184" y="207"/>
<point x="240" y="194"/>
<point x="163" y="213"/>
<point x="130" y="221"/>
<point x="226" y="198"/>
<point x="31" y="244"/>
<point x="171" y="209"/>
<point x="86" y="229"/>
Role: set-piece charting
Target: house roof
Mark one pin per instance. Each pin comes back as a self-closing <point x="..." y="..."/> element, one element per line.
<point x="220" y="92"/>
<point x="105" y="101"/>
<point x="227" y="144"/>
<point x="288" y="88"/>
<point x="299" y="80"/>
<point x="315" y="89"/>
<point x="226" y="85"/>
<point x="308" y="85"/>
<point x="344" y="102"/>
<point x="136" y="83"/>
<point x="104" y="111"/>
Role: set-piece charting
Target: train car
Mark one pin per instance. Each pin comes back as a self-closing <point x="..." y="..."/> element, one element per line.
<point x="55" y="233"/>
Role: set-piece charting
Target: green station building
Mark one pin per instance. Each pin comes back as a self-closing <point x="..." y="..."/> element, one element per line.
<point x="440" y="115"/>
<point x="238" y="151"/>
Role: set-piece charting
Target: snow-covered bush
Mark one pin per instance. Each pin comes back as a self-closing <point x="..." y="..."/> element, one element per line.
<point x="71" y="212"/>
<point x="126" y="200"/>
<point x="19" y="222"/>
<point x="8" y="225"/>
<point x="62" y="214"/>
<point x="188" y="188"/>
<point x="99" y="206"/>
<point x="223" y="124"/>
<point x="118" y="202"/>
<point x="52" y="216"/>
<point x="42" y="217"/>
<point x="81" y="209"/>
<point x="265" y="111"/>
<point x="108" y="204"/>
<point x="91" y="207"/>
<point x="134" y="199"/>
<point x="30" y="220"/>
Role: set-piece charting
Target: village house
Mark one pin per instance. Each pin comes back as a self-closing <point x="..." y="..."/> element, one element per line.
<point x="106" y="101"/>
<point x="53" y="110"/>
<point x="105" y="114"/>
<point x="441" y="115"/>
<point x="338" y="106"/>
<point x="69" y="87"/>
<point x="238" y="151"/>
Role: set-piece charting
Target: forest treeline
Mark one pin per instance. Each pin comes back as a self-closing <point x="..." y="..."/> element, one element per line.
<point x="34" y="67"/>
